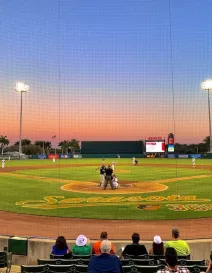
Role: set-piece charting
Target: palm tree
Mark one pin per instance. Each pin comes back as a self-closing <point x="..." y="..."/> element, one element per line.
<point x="207" y="142"/>
<point x="43" y="144"/>
<point x="4" y="142"/>
<point x="65" y="144"/>
<point x="24" y="142"/>
<point x="74" y="145"/>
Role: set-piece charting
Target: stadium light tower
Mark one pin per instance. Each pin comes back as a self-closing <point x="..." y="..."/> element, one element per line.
<point x="21" y="87"/>
<point x="207" y="86"/>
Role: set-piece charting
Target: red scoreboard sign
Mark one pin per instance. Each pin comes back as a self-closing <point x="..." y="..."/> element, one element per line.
<point x="155" y="138"/>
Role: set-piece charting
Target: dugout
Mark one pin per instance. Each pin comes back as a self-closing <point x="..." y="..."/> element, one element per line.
<point x="112" y="147"/>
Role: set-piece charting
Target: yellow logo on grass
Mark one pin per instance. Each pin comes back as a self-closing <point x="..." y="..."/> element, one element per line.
<point x="56" y="202"/>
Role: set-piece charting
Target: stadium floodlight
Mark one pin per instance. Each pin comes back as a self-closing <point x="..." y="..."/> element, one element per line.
<point x="207" y="86"/>
<point x="21" y="87"/>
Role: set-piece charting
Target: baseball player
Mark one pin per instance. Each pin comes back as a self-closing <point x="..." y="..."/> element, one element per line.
<point x="53" y="159"/>
<point x="115" y="182"/>
<point x="102" y="170"/>
<point x="136" y="162"/>
<point x="193" y="162"/>
<point x="113" y="165"/>
<point x="133" y="160"/>
<point x="3" y="163"/>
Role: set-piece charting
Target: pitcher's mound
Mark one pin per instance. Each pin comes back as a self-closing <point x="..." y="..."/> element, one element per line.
<point x="125" y="188"/>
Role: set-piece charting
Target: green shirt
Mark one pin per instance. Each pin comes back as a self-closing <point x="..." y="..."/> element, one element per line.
<point x="180" y="246"/>
<point x="82" y="250"/>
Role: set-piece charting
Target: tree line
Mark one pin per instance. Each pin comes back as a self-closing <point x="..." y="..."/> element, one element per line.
<point x="39" y="146"/>
<point x="71" y="146"/>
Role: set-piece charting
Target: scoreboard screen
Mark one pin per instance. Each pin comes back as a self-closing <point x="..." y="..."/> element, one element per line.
<point x="155" y="146"/>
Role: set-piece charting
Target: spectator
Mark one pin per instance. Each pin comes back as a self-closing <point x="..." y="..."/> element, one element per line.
<point x="180" y="246"/>
<point x="60" y="247"/>
<point x="105" y="262"/>
<point x="157" y="246"/>
<point x="171" y="261"/>
<point x="96" y="246"/>
<point x="135" y="249"/>
<point x="209" y="269"/>
<point x="82" y="246"/>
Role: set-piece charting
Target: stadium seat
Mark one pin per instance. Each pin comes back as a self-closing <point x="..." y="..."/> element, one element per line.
<point x="141" y="269"/>
<point x="186" y="257"/>
<point x="157" y="257"/>
<point x="186" y="262"/>
<point x="6" y="260"/>
<point x="34" y="268"/>
<point x="81" y="269"/>
<point x="66" y="256"/>
<point x="136" y="257"/>
<point x="82" y="256"/>
<point x="81" y="261"/>
<point x="200" y="268"/>
<point x="127" y="262"/>
<point x="146" y="262"/>
<point x="195" y="268"/>
<point x="138" y="262"/>
<point x="57" y="261"/>
<point x="61" y="268"/>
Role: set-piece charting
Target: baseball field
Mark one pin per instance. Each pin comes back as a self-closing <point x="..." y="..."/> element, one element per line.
<point x="156" y="189"/>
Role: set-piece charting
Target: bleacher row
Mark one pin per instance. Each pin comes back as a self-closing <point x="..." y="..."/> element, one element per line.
<point x="79" y="264"/>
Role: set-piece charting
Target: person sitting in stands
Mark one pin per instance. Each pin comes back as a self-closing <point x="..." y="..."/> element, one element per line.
<point x="135" y="249"/>
<point x="96" y="246"/>
<point x="60" y="247"/>
<point x="82" y="246"/>
<point x="171" y="261"/>
<point x="157" y="246"/>
<point x="180" y="246"/>
<point x="105" y="262"/>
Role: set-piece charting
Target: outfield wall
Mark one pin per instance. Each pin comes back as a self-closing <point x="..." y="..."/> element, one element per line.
<point x="112" y="147"/>
<point x="41" y="248"/>
<point x="112" y="155"/>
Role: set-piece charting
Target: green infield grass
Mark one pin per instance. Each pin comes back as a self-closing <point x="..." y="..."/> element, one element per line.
<point x="156" y="189"/>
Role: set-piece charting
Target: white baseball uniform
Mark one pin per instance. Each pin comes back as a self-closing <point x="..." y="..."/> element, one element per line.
<point x="133" y="159"/>
<point x="193" y="161"/>
<point x="115" y="183"/>
<point x="113" y="165"/>
<point x="53" y="159"/>
<point x="3" y="163"/>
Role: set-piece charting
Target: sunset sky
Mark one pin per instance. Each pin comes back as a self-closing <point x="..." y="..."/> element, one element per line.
<point x="101" y="70"/>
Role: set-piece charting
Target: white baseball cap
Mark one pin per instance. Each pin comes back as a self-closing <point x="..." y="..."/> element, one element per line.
<point x="157" y="239"/>
<point x="81" y="240"/>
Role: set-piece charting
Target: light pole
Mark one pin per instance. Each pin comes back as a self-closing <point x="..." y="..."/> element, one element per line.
<point x="21" y="87"/>
<point x="207" y="86"/>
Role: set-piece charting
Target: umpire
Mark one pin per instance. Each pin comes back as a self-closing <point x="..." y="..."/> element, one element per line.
<point x="108" y="177"/>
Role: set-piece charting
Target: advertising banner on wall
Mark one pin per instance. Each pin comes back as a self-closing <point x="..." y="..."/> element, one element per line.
<point x="171" y="156"/>
<point x="51" y="156"/>
<point x="195" y="156"/>
<point x="41" y="156"/>
<point x="182" y="156"/>
<point x="77" y="156"/>
<point x="65" y="156"/>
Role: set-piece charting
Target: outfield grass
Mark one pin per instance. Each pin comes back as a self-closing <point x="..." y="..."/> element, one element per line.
<point x="29" y="186"/>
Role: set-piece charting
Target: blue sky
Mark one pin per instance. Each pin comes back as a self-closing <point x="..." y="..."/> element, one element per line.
<point x="90" y="63"/>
